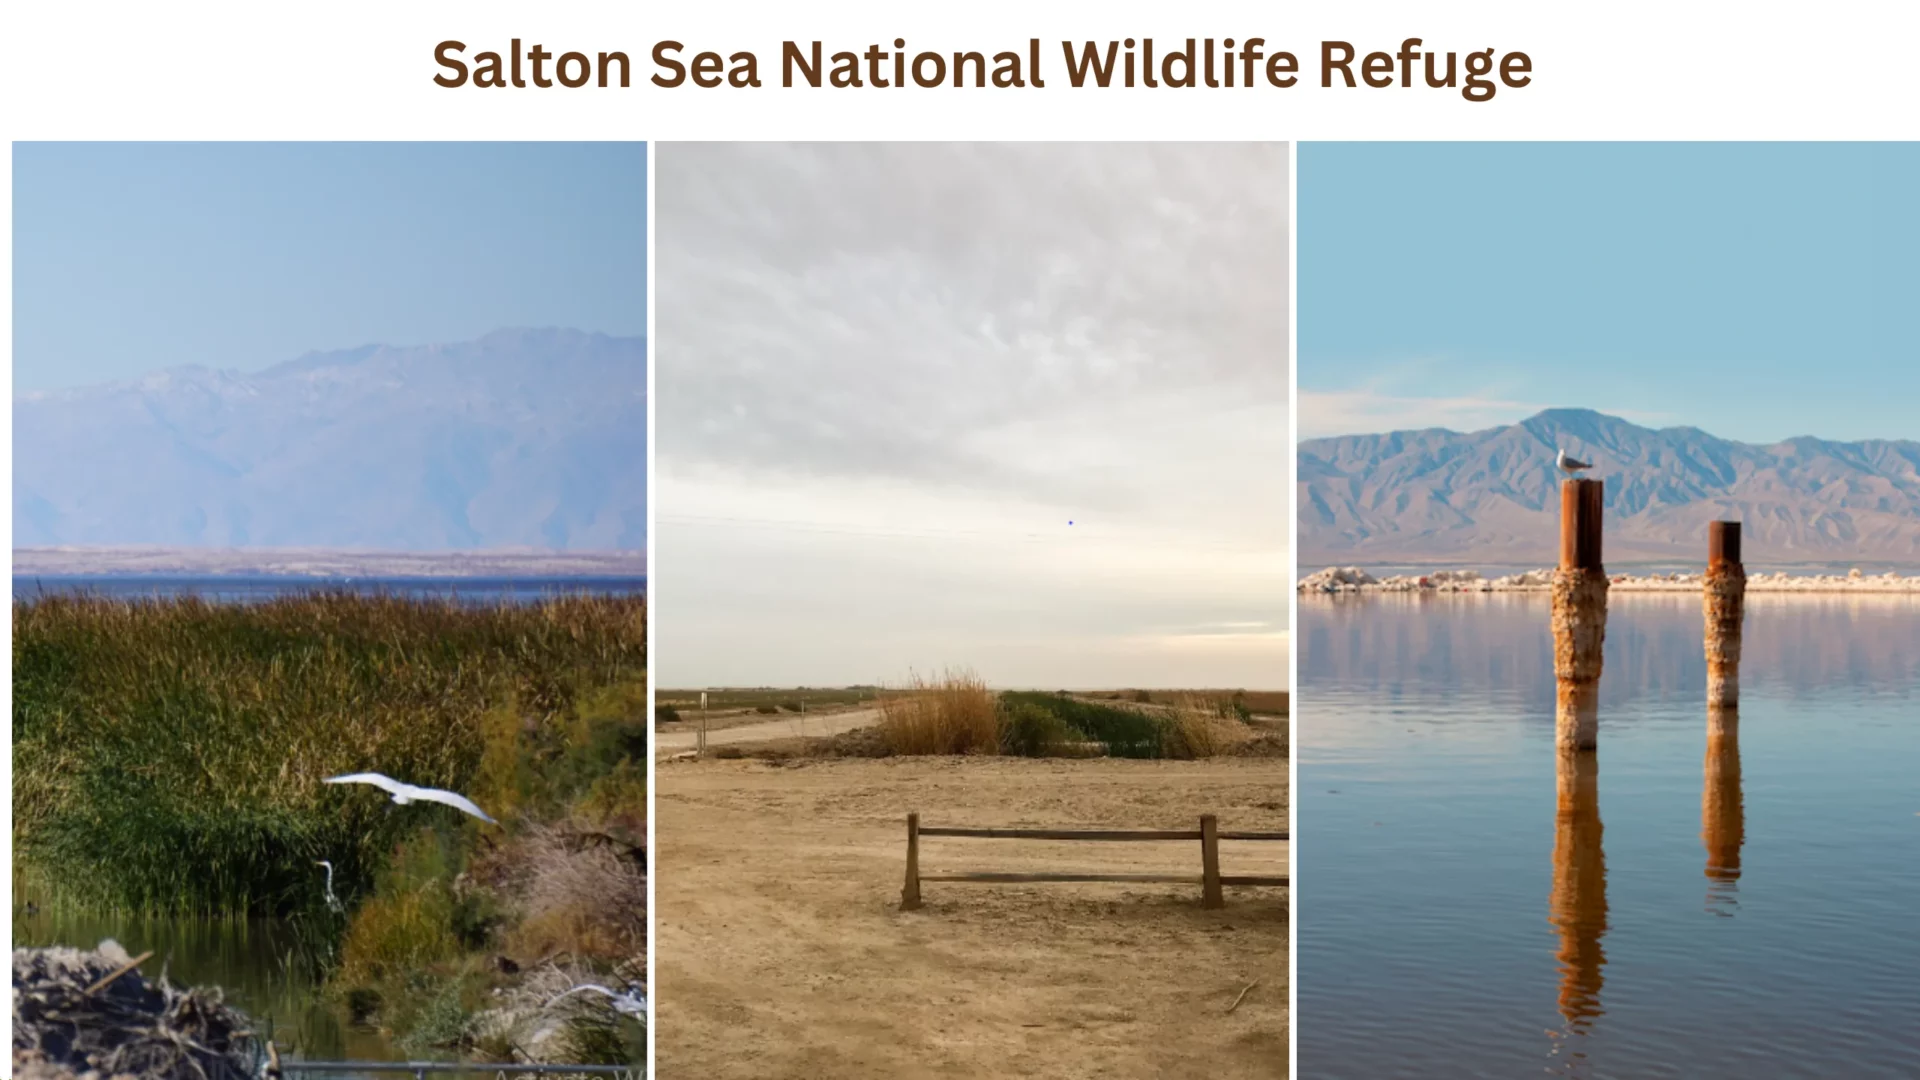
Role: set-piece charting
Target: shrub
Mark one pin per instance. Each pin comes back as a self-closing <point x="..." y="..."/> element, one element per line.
<point x="575" y="890"/>
<point x="440" y="1020"/>
<point x="1031" y="731"/>
<point x="1125" y="732"/>
<point x="412" y="921"/>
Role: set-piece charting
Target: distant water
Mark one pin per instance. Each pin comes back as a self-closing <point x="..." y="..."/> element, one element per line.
<point x="237" y="589"/>
<point x="1667" y="907"/>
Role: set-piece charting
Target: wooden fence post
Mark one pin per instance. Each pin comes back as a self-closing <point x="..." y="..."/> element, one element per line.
<point x="1724" y="597"/>
<point x="1210" y="894"/>
<point x="910" y="895"/>
<point x="1579" y="616"/>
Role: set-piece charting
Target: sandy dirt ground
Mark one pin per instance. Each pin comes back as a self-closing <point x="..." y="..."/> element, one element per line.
<point x="782" y="952"/>
<point x="792" y="725"/>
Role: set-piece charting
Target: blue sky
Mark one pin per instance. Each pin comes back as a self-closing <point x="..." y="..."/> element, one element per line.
<point x="131" y="257"/>
<point x="1758" y="291"/>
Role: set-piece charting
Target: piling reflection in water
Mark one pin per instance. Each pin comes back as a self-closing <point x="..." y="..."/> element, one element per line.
<point x="1723" y="824"/>
<point x="1579" y="903"/>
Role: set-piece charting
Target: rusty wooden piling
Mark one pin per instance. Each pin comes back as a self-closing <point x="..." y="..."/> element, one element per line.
<point x="1723" y="821"/>
<point x="1579" y="616"/>
<point x="1724" y="597"/>
<point x="1578" y="904"/>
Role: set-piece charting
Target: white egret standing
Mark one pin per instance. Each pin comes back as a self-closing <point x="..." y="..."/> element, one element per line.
<point x="333" y="902"/>
<point x="407" y="793"/>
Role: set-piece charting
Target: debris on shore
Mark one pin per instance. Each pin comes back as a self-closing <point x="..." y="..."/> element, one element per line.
<point x="1353" y="579"/>
<point x="92" y="1016"/>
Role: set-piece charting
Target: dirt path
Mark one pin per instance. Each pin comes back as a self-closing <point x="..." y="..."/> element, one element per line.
<point x="782" y="952"/>
<point x="812" y="725"/>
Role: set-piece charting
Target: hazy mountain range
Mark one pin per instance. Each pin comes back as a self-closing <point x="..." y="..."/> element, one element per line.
<point x="522" y="439"/>
<point x="1492" y="496"/>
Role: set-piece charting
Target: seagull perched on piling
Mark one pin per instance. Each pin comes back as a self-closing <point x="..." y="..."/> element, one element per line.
<point x="631" y="1003"/>
<point x="1569" y="465"/>
<point x="407" y="793"/>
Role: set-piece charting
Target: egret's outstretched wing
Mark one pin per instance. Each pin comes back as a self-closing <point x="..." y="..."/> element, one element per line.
<point x="458" y="802"/>
<point x="385" y="783"/>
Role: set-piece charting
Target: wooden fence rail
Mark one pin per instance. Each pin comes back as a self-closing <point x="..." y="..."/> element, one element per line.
<point x="1210" y="880"/>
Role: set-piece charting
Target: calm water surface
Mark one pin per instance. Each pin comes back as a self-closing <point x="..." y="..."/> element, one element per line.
<point x="256" y="963"/>
<point x="253" y="589"/>
<point x="1667" y="907"/>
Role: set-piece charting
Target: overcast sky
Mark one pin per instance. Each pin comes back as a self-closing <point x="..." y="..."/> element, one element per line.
<point x="1018" y="408"/>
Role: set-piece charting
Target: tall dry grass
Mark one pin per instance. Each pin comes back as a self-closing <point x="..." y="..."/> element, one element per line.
<point x="954" y="714"/>
<point x="1198" y="727"/>
<point x="577" y="893"/>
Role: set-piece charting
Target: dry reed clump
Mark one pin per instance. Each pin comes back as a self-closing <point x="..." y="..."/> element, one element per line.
<point x="954" y="714"/>
<point x="575" y="890"/>
<point x="1198" y="728"/>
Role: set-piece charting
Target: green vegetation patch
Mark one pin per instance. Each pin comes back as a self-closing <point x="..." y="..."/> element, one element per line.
<point x="168" y="754"/>
<point x="1033" y="718"/>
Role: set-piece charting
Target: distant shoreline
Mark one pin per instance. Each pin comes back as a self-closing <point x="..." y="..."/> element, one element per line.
<point x="1336" y="580"/>
<point x="319" y="563"/>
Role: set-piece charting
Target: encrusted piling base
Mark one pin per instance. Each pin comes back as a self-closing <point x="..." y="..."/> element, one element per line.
<point x="1579" y="635"/>
<point x="1724" y="598"/>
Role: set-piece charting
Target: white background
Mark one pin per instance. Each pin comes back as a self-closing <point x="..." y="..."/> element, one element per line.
<point x="1627" y="70"/>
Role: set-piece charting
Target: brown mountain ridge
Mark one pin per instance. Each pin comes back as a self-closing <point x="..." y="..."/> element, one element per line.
<point x="1492" y="496"/>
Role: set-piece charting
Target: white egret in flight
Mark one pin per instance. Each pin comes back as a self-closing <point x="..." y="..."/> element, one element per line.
<point x="407" y="793"/>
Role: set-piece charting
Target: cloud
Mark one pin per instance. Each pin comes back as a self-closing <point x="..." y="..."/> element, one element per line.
<point x="864" y="309"/>
<point x="1325" y="413"/>
<point x="1353" y="412"/>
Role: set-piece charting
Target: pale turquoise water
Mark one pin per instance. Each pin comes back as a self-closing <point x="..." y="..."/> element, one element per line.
<point x="1756" y="913"/>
